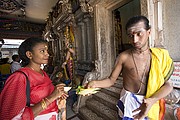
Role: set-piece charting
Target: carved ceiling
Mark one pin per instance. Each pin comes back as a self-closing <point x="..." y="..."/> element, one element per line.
<point x="11" y="6"/>
<point x="24" y="18"/>
<point x="27" y="10"/>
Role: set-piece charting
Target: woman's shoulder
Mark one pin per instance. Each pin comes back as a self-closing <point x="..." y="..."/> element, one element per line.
<point x="25" y="70"/>
<point x="16" y="77"/>
<point x="22" y="72"/>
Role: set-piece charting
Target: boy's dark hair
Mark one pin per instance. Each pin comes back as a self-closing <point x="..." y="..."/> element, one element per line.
<point x="28" y="45"/>
<point x="137" y="19"/>
<point x="14" y="57"/>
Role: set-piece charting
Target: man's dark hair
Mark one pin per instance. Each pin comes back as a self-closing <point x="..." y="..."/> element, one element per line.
<point x="28" y="45"/>
<point x="14" y="57"/>
<point x="137" y="19"/>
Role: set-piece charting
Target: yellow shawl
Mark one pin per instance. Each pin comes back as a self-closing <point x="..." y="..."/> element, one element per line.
<point x="161" y="69"/>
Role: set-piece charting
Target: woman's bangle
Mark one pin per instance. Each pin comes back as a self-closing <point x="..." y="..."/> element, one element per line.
<point x="43" y="104"/>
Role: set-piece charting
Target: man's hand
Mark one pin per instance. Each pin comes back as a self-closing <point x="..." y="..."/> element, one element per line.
<point x="90" y="84"/>
<point x="143" y="109"/>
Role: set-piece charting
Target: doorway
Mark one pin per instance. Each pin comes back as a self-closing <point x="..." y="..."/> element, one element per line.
<point x="120" y="17"/>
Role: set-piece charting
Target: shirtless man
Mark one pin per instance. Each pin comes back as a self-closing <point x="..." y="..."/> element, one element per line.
<point x="145" y="73"/>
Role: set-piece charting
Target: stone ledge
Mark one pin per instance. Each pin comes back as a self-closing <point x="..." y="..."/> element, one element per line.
<point x="105" y="112"/>
<point x="87" y="114"/>
<point x="106" y="99"/>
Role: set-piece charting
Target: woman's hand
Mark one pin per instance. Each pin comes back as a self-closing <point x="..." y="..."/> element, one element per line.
<point x="59" y="92"/>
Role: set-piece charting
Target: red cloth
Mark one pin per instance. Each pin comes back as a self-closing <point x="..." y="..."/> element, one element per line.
<point x="13" y="96"/>
<point x="162" y="109"/>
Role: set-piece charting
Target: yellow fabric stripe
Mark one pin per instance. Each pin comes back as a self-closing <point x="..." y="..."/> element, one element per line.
<point x="170" y="72"/>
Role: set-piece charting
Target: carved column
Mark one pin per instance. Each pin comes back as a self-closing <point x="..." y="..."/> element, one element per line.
<point x="61" y="46"/>
<point x="102" y="43"/>
<point x="155" y="17"/>
<point x="159" y="39"/>
<point x="83" y="40"/>
<point x="88" y="39"/>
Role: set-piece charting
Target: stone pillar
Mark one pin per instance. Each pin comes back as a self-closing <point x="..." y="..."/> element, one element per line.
<point x="88" y="39"/>
<point x="83" y="40"/>
<point x="155" y="18"/>
<point x="102" y="41"/>
<point x="159" y="38"/>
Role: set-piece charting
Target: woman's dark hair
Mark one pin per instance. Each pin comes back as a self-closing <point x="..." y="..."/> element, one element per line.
<point x="137" y="19"/>
<point x="28" y="45"/>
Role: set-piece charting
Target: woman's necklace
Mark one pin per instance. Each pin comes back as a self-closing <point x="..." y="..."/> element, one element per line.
<point x="143" y="75"/>
<point x="36" y="71"/>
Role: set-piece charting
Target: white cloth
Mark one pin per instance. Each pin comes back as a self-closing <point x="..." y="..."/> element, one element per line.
<point x="46" y="116"/>
<point x="15" y="66"/>
<point x="127" y="103"/>
<point x="39" y="117"/>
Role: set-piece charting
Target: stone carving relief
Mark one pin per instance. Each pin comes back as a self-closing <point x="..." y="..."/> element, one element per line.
<point x="10" y="6"/>
<point x="85" y="7"/>
<point x="94" y="74"/>
<point x="160" y="41"/>
<point x="144" y="10"/>
<point x="67" y="7"/>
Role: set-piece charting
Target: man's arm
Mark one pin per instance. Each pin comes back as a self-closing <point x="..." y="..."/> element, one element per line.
<point x="163" y="91"/>
<point x="148" y="102"/>
<point x="107" y="82"/>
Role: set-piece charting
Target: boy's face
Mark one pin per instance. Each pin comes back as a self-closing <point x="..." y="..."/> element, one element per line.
<point x="138" y="35"/>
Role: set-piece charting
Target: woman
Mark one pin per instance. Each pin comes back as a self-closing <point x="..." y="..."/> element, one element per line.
<point x="43" y="95"/>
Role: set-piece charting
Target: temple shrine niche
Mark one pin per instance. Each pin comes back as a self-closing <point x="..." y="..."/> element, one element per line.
<point x="71" y="22"/>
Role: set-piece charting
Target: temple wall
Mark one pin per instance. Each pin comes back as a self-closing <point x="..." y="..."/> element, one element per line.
<point x="171" y="23"/>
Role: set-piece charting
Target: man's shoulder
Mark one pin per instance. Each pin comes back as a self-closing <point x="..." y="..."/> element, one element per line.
<point x="14" y="63"/>
<point x="126" y="52"/>
<point x="124" y="55"/>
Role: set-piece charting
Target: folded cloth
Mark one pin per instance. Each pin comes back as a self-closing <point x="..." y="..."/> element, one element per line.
<point x="127" y="103"/>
